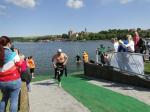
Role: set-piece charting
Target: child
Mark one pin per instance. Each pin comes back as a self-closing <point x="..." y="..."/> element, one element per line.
<point x="25" y="76"/>
<point x="31" y="65"/>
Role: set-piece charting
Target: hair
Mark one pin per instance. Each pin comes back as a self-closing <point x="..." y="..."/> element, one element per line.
<point x="30" y="57"/>
<point x="22" y="57"/>
<point x="129" y="37"/>
<point x="4" y="40"/>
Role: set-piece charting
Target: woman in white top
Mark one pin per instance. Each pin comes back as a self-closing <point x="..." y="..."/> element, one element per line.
<point x="116" y="44"/>
<point x="130" y="45"/>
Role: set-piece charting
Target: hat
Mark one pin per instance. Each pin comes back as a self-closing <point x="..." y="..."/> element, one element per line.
<point x="59" y="50"/>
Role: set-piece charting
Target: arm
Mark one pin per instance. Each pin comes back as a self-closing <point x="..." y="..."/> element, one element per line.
<point x="66" y="59"/>
<point x="17" y="61"/>
<point x="53" y="63"/>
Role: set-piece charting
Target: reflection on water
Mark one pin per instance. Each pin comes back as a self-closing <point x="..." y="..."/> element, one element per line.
<point x="43" y="52"/>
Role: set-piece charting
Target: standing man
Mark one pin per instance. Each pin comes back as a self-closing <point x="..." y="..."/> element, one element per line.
<point x="102" y="51"/>
<point x="60" y="59"/>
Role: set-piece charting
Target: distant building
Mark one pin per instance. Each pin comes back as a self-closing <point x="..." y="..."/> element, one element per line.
<point x="70" y="33"/>
<point x="73" y="35"/>
<point x="85" y="31"/>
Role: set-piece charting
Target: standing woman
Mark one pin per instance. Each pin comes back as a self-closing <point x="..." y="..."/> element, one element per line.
<point x="130" y="45"/>
<point x="136" y="39"/>
<point x="10" y="82"/>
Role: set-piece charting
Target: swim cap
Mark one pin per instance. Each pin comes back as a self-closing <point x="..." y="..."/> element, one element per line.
<point x="59" y="50"/>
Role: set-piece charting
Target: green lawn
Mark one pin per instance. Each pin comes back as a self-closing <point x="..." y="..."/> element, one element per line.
<point x="99" y="99"/>
<point x="147" y="67"/>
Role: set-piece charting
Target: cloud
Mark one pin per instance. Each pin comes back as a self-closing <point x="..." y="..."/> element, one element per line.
<point x="2" y="13"/>
<point x="2" y="10"/>
<point x="23" y="3"/>
<point x="125" y="1"/>
<point x="76" y="4"/>
<point x="2" y="7"/>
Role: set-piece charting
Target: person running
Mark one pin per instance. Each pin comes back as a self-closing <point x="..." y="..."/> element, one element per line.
<point x="31" y="65"/>
<point x="60" y="60"/>
<point x="10" y="81"/>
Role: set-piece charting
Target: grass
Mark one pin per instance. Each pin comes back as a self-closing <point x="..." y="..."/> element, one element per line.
<point x="41" y="77"/>
<point x="147" y="68"/>
<point x="99" y="99"/>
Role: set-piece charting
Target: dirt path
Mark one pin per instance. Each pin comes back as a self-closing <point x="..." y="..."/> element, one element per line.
<point x="46" y="96"/>
<point x="128" y="90"/>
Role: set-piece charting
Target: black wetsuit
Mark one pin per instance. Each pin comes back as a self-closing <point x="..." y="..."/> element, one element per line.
<point x="62" y="68"/>
<point x="78" y="58"/>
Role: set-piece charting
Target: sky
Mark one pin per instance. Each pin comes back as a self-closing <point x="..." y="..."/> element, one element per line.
<point x="52" y="17"/>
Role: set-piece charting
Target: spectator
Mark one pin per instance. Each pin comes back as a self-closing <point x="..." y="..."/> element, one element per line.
<point x="85" y="57"/>
<point x="136" y="39"/>
<point x="10" y="81"/>
<point x="130" y="45"/>
<point x="31" y="65"/>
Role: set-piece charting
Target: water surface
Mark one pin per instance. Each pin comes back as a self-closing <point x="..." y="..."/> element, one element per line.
<point x="43" y="52"/>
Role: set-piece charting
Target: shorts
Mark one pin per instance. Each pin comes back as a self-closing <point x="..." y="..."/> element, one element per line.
<point x="31" y="70"/>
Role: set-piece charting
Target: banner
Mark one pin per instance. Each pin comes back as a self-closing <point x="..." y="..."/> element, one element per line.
<point x="131" y="62"/>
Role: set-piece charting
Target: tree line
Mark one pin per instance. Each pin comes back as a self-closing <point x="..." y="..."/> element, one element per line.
<point x="102" y="35"/>
<point x="113" y="33"/>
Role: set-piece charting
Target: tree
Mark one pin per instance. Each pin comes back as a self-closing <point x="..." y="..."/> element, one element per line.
<point x="65" y="36"/>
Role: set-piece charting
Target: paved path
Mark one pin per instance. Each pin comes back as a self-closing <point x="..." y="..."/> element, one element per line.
<point x="128" y="90"/>
<point x="46" y="96"/>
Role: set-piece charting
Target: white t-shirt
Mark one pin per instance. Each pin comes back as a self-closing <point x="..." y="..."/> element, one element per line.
<point x="131" y="45"/>
<point x="116" y="45"/>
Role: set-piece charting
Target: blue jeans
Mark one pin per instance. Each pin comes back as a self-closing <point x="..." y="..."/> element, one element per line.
<point x="10" y="90"/>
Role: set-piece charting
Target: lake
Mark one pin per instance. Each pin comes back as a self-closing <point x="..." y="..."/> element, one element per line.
<point x="42" y="53"/>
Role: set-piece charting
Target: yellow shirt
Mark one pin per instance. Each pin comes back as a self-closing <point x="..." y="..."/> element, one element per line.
<point x="85" y="57"/>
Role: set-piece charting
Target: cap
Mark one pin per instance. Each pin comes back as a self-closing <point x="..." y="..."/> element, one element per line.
<point x="59" y="50"/>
